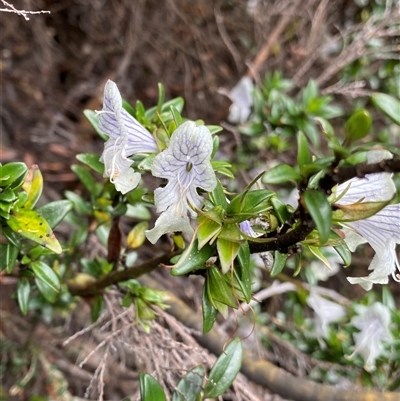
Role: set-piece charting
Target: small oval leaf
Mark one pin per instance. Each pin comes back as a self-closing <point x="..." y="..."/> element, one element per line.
<point x="150" y="389"/>
<point x="225" y="369"/>
<point x="320" y="211"/>
<point x="23" y="292"/>
<point x="31" y="225"/>
<point x="46" y="274"/>
<point x="281" y="174"/>
<point x="279" y="263"/>
<point x="190" y="386"/>
<point x="33" y="186"/>
<point x="388" y="105"/>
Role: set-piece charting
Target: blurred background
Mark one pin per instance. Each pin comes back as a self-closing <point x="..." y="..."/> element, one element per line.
<point x="53" y="66"/>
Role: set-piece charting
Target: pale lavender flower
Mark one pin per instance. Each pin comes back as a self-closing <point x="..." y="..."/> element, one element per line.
<point x="186" y="165"/>
<point x="326" y="312"/>
<point x="242" y="101"/>
<point x="247" y="229"/>
<point x="381" y="230"/>
<point x="373" y="323"/>
<point x="127" y="137"/>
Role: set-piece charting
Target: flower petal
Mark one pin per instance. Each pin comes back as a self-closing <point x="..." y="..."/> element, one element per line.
<point x="373" y="323"/>
<point x="242" y="100"/>
<point x="115" y="121"/>
<point x="170" y="221"/>
<point x="372" y="188"/>
<point x="382" y="231"/>
<point x="126" y="181"/>
<point x="326" y="312"/>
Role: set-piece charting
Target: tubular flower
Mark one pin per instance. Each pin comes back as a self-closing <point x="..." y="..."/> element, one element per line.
<point x="127" y="137"/>
<point x="381" y="230"/>
<point x="326" y="312"/>
<point x="186" y="165"/>
<point x="373" y="323"/>
<point x="242" y="101"/>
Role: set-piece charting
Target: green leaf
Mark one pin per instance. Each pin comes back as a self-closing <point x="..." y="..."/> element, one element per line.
<point x="279" y="263"/>
<point x="48" y="292"/>
<point x="253" y="202"/>
<point x="31" y="225"/>
<point x="227" y="251"/>
<point x="23" y="292"/>
<point x="128" y="107"/>
<point x="178" y="103"/>
<point x="359" y="210"/>
<point x="223" y="168"/>
<point x="96" y="307"/>
<point x="93" y="118"/>
<point x="150" y="389"/>
<point x="176" y="116"/>
<point x="8" y="256"/>
<point x="280" y="209"/>
<point x="225" y="370"/>
<point x="320" y="211"/>
<point x="208" y="230"/>
<point x="358" y="125"/>
<point x="190" y="386"/>
<point x="33" y="186"/>
<point x="214" y="129"/>
<point x="11" y="236"/>
<point x="161" y="97"/>
<point x="316" y="251"/>
<point x="54" y="212"/>
<point x="303" y="150"/>
<point x="244" y="271"/>
<point x="209" y="312"/>
<point x="92" y="160"/>
<point x="281" y="174"/>
<point x="11" y="172"/>
<point x="46" y="274"/>
<point x="81" y="206"/>
<point x="192" y="259"/>
<point x="219" y="289"/>
<point x="344" y="253"/>
<point x="87" y="179"/>
<point x="8" y="196"/>
<point x="218" y="196"/>
<point x="388" y="105"/>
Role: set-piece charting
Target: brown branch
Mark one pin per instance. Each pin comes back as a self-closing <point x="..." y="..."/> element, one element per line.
<point x="342" y="174"/>
<point x="116" y="277"/>
<point x="260" y="371"/>
<point x="283" y="242"/>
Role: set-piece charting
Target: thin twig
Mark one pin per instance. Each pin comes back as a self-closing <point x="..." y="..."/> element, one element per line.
<point x="22" y="13"/>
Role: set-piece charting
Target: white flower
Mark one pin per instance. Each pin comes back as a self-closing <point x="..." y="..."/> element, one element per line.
<point x="186" y="165"/>
<point x="127" y="137"/>
<point x="381" y="230"/>
<point x="373" y="323"/>
<point x="326" y="312"/>
<point x="242" y="100"/>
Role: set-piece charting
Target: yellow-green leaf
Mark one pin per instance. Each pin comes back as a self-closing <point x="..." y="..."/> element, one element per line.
<point x="136" y="236"/>
<point x="33" y="186"/>
<point x="31" y="225"/>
